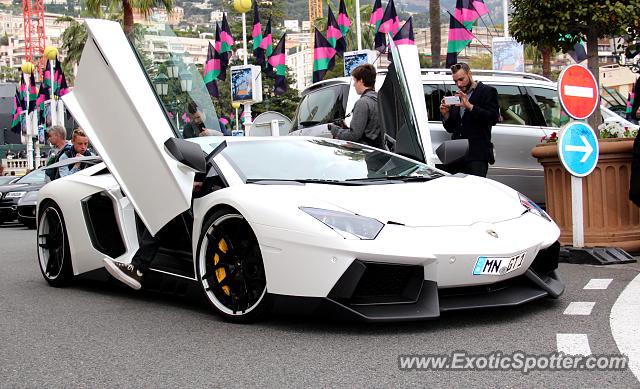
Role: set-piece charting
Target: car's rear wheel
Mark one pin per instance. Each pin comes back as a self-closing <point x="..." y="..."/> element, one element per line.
<point x="230" y="268"/>
<point x="54" y="256"/>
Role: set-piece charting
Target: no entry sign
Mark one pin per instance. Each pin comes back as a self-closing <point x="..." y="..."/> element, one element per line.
<point x="578" y="91"/>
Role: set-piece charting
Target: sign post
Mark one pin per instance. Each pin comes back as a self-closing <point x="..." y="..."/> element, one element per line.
<point x="578" y="143"/>
<point x="578" y="150"/>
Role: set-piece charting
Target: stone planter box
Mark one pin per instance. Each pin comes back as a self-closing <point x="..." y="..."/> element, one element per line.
<point x="610" y="218"/>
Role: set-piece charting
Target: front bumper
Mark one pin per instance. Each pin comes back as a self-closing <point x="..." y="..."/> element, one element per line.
<point x="8" y="212"/>
<point x="26" y="214"/>
<point x="383" y="292"/>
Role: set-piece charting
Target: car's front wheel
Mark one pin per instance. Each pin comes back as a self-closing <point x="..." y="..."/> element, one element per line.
<point x="54" y="255"/>
<point x="230" y="268"/>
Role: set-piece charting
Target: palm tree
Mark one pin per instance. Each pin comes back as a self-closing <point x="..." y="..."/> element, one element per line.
<point x="73" y="40"/>
<point x="434" y="27"/>
<point x="126" y="6"/>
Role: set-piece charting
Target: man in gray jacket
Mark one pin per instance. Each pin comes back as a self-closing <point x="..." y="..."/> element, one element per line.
<point x="365" y="124"/>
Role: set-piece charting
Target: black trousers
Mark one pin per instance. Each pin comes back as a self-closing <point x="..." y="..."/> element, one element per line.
<point x="476" y="168"/>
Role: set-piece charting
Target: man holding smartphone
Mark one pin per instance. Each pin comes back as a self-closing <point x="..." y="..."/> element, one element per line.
<point x="472" y="118"/>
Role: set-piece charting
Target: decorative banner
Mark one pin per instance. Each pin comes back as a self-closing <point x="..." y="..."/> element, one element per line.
<point x="212" y="71"/>
<point x="334" y="34"/>
<point x="323" y="56"/>
<point x="343" y="19"/>
<point x="405" y="35"/>
<point x="277" y="61"/>
<point x="375" y="20"/>
<point x="18" y="107"/>
<point x="218" y="47"/>
<point x="267" y="40"/>
<point x="466" y="13"/>
<point x="256" y="34"/>
<point x="459" y="38"/>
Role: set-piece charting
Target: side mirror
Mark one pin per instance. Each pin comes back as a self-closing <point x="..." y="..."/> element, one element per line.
<point x="451" y="151"/>
<point x="187" y="153"/>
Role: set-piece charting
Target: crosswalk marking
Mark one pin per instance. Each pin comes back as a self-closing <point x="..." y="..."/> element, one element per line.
<point x="598" y="283"/>
<point x="573" y="344"/>
<point x="579" y="308"/>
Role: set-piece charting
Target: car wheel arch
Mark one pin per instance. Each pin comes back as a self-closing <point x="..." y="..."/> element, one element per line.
<point x="218" y="212"/>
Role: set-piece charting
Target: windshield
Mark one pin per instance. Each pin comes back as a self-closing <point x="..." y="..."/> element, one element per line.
<point x="174" y="66"/>
<point x="35" y="177"/>
<point x="318" y="159"/>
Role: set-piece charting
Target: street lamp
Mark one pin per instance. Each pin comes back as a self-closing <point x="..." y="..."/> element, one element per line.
<point x="161" y="83"/>
<point x="172" y="67"/>
<point x="186" y="81"/>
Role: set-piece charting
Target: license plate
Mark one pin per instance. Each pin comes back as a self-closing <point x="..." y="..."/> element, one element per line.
<point x="498" y="266"/>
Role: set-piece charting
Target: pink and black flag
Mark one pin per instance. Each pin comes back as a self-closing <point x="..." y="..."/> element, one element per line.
<point x="323" y="56"/>
<point x="226" y="43"/>
<point x="466" y="13"/>
<point x="256" y="34"/>
<point x="389" y="24"/>
<point x="277" y="61"/>
<point x="44" y="94"/>
<point x="267" y="40"/>
<point x="224" y="63"/>
<point x="212" y="71"/>
<point x="33" y="93"/>
<point x="343" y="19"/>
<point x="480" y="7"/>
<point x="60" y="87"/>
<point x="459" y="38"/>
<point x="18" y="107"/>
<point x="375" y="20"/>
<point x="376" y="15"/>
<point x="405" y="35"/>
<point x="334" y="34"/>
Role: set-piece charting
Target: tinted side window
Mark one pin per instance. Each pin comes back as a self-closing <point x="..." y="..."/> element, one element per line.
<point x="433" y="94"/>
<point x="549" y="103"/>
<point x="322" y="106"/>
<point x="515" y="108"/>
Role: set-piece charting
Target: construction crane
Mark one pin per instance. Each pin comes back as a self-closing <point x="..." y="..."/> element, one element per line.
<point x="34" y="37"/>
<point x="315" y="11"/>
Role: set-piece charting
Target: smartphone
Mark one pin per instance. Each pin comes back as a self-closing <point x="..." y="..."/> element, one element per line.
<point x="451" y="100"/>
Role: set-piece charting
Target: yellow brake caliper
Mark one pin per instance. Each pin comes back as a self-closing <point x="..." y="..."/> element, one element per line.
<point x="220" y="272"/>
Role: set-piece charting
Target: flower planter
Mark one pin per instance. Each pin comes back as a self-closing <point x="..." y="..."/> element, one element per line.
<point x="610" y="219"/>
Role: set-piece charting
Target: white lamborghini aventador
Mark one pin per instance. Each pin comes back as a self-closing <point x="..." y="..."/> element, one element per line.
<point x="300" y="224"/>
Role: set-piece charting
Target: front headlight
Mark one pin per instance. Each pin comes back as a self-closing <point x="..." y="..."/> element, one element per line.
<point x="30" y="196"/>
<point x="533" y="207"/>
<point x="14" y="195"/>
<point x="348" y="225"/>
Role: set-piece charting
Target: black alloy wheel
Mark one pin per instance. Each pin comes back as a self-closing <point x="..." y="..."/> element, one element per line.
<point x="230" y="268"/>
<point x="54" y="255"/>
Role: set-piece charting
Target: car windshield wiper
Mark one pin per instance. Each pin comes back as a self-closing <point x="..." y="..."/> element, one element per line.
<point x="309" y="123"/>
<point x="393" y="178"/>
<point x="276" y="181"/>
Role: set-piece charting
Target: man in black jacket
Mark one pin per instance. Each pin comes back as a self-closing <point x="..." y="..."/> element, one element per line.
<point x="471" y="119"/>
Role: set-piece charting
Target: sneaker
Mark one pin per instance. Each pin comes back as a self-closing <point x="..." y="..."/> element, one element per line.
<point x="125" y="272"/>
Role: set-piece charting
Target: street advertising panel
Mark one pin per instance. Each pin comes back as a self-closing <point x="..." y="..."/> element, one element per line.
<point x="353" y="59"/>
<point x="508" y="54"/>
<point x="246" y="84"/>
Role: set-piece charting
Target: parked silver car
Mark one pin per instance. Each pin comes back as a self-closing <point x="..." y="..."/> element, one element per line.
<point x="529" y="111"/>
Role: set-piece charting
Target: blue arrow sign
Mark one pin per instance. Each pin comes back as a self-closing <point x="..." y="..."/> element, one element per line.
<point x="578" y="148"/>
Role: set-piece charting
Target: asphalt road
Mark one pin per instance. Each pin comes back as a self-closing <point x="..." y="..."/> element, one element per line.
<point x="98" y="334"/>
